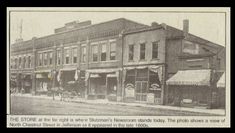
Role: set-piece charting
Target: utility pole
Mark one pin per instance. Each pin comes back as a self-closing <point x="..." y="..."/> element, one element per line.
<point x="21" y="27"/>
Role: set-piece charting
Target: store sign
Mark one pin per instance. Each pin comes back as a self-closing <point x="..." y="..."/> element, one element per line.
<point x="130" y="90"/>
<point x="150" y="98"/>
<point x="155" y="87"/>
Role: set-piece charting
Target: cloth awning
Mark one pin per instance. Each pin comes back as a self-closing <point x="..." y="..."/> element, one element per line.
<point x="39" y="76"/>
<point x="112" y="75"/>
<point x="221" y="82"/>
<point x="94" y="76"/>
<point x="68" y="69"/>
<point x="43" y="71"/>
<point x="102" y="70"/>
<point x="191" y="77"/>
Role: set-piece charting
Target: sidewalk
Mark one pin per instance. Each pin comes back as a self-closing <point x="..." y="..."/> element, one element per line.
<point x="105" y="101"/>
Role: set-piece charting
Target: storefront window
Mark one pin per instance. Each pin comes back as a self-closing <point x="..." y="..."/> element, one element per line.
<point x="94" y="49"/>
<point x="75" y="52"/>
<point x="142" y="51"/>
<point x="154" y="84"/>
<point x="83" y="54"/>
<point x="142" y="75"/>
<point x="154" y="50"/>
<point x="130" y="77"/>
<point x="103" y="52"/>
<point x="131" y="52"/>
<point x="112" y="51"/>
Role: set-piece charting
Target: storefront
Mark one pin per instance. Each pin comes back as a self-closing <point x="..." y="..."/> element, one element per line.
<point x="190" y="88"/>
<point x="221" y="91"/>
<point x="143" y="84"/>
<point x="13" y="82"/>
<point x="103" y="83"/>
<point x="27" y="83"/>
<point x="43" y="81"/>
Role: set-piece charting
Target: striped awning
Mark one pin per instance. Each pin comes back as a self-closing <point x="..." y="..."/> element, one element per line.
<point x="191" y="77"/>
<point x="221" y="82"/>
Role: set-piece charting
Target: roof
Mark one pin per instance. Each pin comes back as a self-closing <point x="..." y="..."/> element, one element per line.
<point x="191" y="77"/>
<point x="89" y="30"/>
<point x="173" y="32"/>
<point x="142" y="29"/>
<point x="221" y="82"/>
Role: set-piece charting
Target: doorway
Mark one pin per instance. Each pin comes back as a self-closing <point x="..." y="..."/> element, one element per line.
<point x="112" y="86"/>
<point x="141" y="91"/>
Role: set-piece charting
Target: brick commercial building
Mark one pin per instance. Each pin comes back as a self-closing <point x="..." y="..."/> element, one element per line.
<point x="121" y="60"/>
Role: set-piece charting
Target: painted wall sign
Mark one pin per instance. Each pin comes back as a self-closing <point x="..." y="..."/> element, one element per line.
<point x="155" y="87"/>
<point x="130" y="90"/>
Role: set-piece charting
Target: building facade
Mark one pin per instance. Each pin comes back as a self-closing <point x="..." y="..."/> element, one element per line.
<point x="118" y="60"/>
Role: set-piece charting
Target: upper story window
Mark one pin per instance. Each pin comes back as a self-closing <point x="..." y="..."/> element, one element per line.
<point x="94" y="50"/>
<point x="23" y="62"/>
<point x="58" y="57"/>
<point x="189" y="47"/>
<point x="131" y="52"/>
<point x="83" y="58"/>
<point x="103" y="52"/>
<point x="75" y="54"/>
<point x="50" y="58"/>
<point x="40" y="59"/>
<point x="20" y="62"/>
<point x="45" y="58"/>
<point x="12" y="62"/>
<point x="15" y="63"/>
<point x="154" y="50"/>
<point x="29" y="61"/>
<point x="112" y="51"/>
<point x="67" y="56"/>
<point x="142" y="51"/>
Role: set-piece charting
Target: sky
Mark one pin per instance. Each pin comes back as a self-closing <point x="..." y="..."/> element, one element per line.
<point x="210" y="26"/>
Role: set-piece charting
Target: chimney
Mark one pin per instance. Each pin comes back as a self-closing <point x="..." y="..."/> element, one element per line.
<point x="154" y="24"/>
<point x="185" y="26"/>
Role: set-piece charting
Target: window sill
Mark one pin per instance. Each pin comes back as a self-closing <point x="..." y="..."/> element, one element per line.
<point x="155" y="59"/>
<point x="142" y="60"/>
<point x="109" y="61"/>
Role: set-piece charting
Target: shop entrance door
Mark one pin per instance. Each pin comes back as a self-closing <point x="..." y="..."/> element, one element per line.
<point x="112" y="86"/>
<point x="141" y="91"/>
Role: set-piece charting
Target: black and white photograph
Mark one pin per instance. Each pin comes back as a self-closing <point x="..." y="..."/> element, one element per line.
<point x="120" y="67"/>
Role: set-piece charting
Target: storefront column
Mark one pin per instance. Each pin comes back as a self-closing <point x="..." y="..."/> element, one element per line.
<point x="122" y="84"/>
<point x="164" y="88"/>
<point x="33" y="84"/>
<point x="34" y="64"/>
<point x="119" y="87"/>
